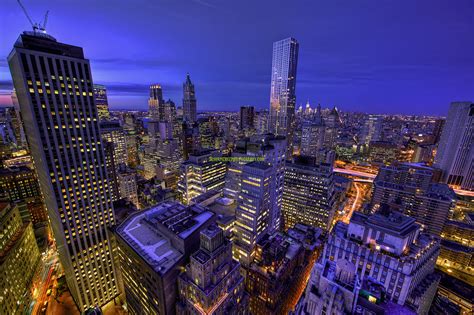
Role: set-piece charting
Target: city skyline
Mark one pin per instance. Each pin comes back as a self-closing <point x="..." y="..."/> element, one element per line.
<point x="342" y="65"/>
<point x="284" y="207"/>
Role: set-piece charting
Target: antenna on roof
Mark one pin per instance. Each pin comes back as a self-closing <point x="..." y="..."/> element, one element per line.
<point x="36" y="26"/>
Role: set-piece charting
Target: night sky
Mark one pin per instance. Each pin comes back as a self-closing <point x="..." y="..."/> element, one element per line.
<point x="405" y="56"/>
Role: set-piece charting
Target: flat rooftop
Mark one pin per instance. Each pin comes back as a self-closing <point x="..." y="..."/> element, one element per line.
<point x="148" y="243"/>
<point x="145" y="231"/>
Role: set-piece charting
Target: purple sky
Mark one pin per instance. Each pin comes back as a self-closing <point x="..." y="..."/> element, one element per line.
<point x="376" y="56"/>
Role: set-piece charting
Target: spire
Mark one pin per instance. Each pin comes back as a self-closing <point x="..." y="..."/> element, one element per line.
<point x="188" y="79"/>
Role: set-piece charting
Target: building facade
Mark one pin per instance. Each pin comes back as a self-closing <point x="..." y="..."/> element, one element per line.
<point x="153" y="247"/>
<point x="201" y="173"/>
<point x="410" y="188"/>
<point x="253" y="212"/>
<point x="388" y="247"/>
<point x="308" y="193"/>
<point x="19" y="258"/>
<point x="455" y="155"/>
<point x="55" y="91"/>
<point x="189" y="101"/>
<point x="101" y="101"/>
<point x="283" y="90"/>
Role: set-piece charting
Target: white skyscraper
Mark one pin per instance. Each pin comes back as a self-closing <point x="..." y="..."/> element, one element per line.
<point x="54" y="86"/>
<point x="455" y="154"/>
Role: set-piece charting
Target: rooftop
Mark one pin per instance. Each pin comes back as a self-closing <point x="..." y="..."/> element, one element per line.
<point x="151" y="245"/>
<point x="388" y="220"/>
<point x="145" y="231"/>
<point x="259" y="165"/>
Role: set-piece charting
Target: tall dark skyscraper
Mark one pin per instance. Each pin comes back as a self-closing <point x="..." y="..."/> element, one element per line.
<point x="55" y="91"/>
<point x="189" y="101"/>
<point x="155" y="101"/>
<point x="455" y="154"/>
<point x="247" y="117"/>
<point x="283" y="86"/>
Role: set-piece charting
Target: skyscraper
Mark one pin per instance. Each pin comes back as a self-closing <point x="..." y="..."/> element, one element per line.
<point x="283" y="86"/>
<point x="333" y="122"/>
<point x="253" y="213"/>
<point x="270" y="149"/>
<point x="101" y="101"/>
<point x="372" y="129"/>
<point x="312" y="134"/>
<point x="155" y="101"/>
<point x="455" y="154"/>
<point x="247" y="118"/>
<point x="189" y="101"/>
<point x="55" y="92"/>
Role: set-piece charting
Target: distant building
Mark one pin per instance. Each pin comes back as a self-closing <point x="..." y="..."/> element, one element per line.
<point x="247" y="117"/>
<point x="189" y="101"/>
<point x="190" y="139"/>
<point x="383" y="152"/>
<point x="388" y="247"/>
<point x="17" y="122"/>
<point x="308" y="193"/>
<point x="410" y="188"/>
<point x="372" y="129"/>
<point x="112" y="131"/>
<point x="455" y="155"/>
<point x="153" y="247"/>
<point x="312" y="135"/>
<point x="101" y="101"/>
<point x="212" y="283"/>
<point x="202" y="172"/>
<point x="261" y="122"/>
<point x="127" y="185"/>
<point x="155" y="102"/>
<point x="170" y="159"/>
<point x="333" y="123"/>
<point x="19" y="258"/>
<point x="283" y="90"/>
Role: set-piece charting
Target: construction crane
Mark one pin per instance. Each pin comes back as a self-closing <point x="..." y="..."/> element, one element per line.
<point x="36" y="26"/>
